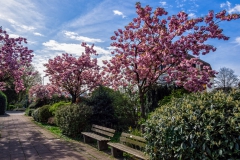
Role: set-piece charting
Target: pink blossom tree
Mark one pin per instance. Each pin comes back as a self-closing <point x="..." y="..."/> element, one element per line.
<point x="155" y="45"/>
<point x="74" y="75"/>
<point x="13" y="58"/>
<point x="43" y="92"/>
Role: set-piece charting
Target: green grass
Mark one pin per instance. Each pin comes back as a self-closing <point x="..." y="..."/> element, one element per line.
<point x="54" y="129"/>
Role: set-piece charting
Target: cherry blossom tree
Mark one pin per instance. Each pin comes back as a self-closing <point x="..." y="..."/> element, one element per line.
<point x="155" y="45"/>
<point x="43" y="92"/>
<point x="13" y="58"/>
<point x="74" y="75"/>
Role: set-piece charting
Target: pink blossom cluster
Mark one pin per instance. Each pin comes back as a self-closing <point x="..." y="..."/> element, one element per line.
<point x="75" y="75"/>
<point x="40" y="91"/>
<point x="154" y="39"/>
<point x="13" y="59"/>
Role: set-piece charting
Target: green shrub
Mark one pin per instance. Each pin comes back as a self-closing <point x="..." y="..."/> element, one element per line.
<point x="29" y="111"/>
<point x="35" y="114"/>
<point x="73" y="119"/>
<point x="57" y="105"/>
<point x="44" y="113"/>
<point x="3" y="103"/>
<point x="197" y="126"/>
<point x="10" y="107"/>
<point x="102" y="108"/>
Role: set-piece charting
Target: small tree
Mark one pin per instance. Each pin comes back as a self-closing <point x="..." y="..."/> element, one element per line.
<point x="226" y="79"/>
<point x="151" y="47"/>
<point x="74" y="75"/>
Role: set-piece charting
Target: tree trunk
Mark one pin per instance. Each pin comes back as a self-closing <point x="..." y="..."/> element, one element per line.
<point x="74" y="97"/>
<point x="142" y="104"/>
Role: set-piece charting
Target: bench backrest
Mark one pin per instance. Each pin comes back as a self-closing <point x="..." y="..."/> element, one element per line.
<point x="103" y="130"/>
<point x="133" y="141"/>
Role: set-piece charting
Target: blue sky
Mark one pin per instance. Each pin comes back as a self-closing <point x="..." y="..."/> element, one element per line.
<point x="53" y="27"/>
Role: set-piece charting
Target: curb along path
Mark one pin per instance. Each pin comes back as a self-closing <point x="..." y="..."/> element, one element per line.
<point x="21" y="139"/>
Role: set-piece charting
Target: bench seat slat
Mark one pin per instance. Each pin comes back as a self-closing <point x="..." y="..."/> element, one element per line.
<point x="129" y="150"/>
<point x="102" y="132"/>
<point x="95" y="136"/>
<point x="103" y="128"/>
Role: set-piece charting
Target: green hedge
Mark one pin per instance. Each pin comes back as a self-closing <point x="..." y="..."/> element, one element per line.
<point x="73" y="119"/>
<point x="42" y="114"/>
<point x="57" y="105"/>
<point x="3" y="103"/>
<point x="197" y="126"/>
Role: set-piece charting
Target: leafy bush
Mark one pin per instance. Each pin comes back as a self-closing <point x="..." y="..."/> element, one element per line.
<point x="102" y="108"/>
<point x="44" y="113"/>
<point x="3" y="103"/>
<point x="175" y="93"/>
<point x="197" y="126"/>
<point x="57" y="105"/>
<point x="10" y="107"/>
<point x="29" y="111"/>
<point x="35" y="114"/>
<point x="73" y="119"/>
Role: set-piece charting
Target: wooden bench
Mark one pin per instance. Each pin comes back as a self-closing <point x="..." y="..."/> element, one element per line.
<point x="99" y="133"/>
<point x="130" y="144"/>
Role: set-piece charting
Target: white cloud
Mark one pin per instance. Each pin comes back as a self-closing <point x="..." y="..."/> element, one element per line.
<point x="229" y="9"/>
<point x="191" y="15"/>
<point x="75" y="36"/>
<point x="71" y="48"/>
<point x="22" y="15"/>
<point x="228" y="4"/>
<point x="38" y="34"/>
<point x="235" y="9"/>
<point x="116" y="12"/>
<point x="163" y="3"/>
<point x="237" y="40"/>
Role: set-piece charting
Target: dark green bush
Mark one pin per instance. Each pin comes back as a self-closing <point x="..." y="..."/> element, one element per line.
<point x="196" y="126"/>
<point x="29" y="111"/>
<point x="102" y="108"/>
<point x="35" y="114"/>
<point x="44" y="113"/>
<point x="73" y="119"/>
<point x="3" y="103"/>
<point x="10" y="107"/>
<point x="54" y="107"/>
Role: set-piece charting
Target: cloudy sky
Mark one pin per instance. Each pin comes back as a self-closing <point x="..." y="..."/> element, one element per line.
<point x="53" y="27"/>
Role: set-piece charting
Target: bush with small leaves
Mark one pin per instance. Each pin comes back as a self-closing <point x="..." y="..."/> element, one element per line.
<point x="196" y="126"/>
<point x="44" y="113"/>
<point x="73" y="119"/>
<point x="58" y="105"/>
<point x="35" y="114"/>
<point x="3" y="103"/>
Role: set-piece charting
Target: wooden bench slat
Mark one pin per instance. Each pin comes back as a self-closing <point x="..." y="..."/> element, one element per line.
<point x="103" y="132"/>
<point x="95" y="136"/>
<point x="104" y="128"/>
<point x="132" y="141"/>
<point x="133" y="137"/>
<point x="129" y="150"/>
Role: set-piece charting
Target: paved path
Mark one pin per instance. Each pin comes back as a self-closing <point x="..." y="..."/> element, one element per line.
<point x="21" y="139"/>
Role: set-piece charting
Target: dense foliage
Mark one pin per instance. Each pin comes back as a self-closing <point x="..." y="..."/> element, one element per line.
<point x="42" y="114"/>
<point x="3" y="103"/>
<point x="102" y="108"/>
<point x="54" y="107"/>
<point x="196" y="126"/>
<point x="73" y="119"/>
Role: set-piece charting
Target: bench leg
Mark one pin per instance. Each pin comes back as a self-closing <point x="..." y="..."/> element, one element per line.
<point x="102" y="145"/>
<point x="87" y="139"/>
<point x="116" y="152"/>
